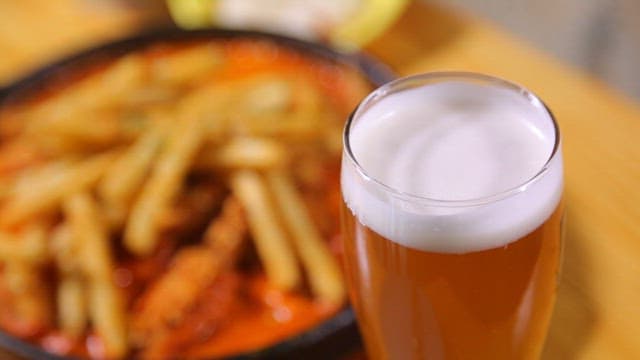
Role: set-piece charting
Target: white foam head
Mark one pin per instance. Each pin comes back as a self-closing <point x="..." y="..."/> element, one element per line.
<point x="452" y="163"/>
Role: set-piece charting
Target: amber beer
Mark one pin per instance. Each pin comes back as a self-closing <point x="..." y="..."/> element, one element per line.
<point x="452" y="187"/>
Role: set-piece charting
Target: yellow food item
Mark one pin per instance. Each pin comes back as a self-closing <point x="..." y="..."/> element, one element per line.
<point x="191" y="14"/>
<point x="367" y="23"/>
<point x="345" y="24"/>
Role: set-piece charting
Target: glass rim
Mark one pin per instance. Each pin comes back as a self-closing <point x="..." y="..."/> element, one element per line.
<point x="387" y="88"/>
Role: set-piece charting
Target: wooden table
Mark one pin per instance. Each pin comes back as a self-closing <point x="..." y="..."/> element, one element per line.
<point x="598" y="311"/>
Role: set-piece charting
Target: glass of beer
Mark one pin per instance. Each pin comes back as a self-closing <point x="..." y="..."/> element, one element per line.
<point x="452" y="188"/>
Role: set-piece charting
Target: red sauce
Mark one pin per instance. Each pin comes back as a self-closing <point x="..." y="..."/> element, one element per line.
<point x="260" y="318"/>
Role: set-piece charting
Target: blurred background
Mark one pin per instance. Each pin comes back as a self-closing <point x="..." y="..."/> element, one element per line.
<point x="599" y="36"/>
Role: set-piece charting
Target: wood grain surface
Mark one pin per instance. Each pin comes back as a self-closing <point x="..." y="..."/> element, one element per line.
<point x="597" y="315"/>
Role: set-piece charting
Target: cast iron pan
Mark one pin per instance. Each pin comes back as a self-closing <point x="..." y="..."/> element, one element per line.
<point x="334" y="337"/>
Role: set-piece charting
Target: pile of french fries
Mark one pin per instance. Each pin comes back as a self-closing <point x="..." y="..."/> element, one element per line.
<point x="102" y="165"/>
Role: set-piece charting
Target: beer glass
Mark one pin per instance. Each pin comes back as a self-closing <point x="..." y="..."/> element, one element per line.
<point x="452" y="208"/>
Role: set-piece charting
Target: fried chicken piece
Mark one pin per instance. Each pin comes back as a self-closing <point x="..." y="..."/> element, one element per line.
<point x="208" y="315"/>
<point x="166" y="302"/>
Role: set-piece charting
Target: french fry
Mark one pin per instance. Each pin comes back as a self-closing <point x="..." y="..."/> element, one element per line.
<point x="89" y="236"/>
<point x="37" y="176"/>
<point x="260" y="105"/>
<point x="91" y="239"/>
<point x="270" y="239"/>
<point x="151" y="96"/>
<point x="280" y="127"/>
<point x="185" y="66"/>
<point x="293" y="114"/>
<point x="65" y="250"/>
<point x="266" y="93"/>
<point x="28" y="246"/>
<point x="103" y="90"/>
<point x="210" y="104"/>
<point x="71" y="291"/>
<point x="321" y="267"/>
<point x="71" y="305"/>
<point x="166" y="180"/>
<point x="243" y="152"/>
<point x="70" y="134"/>
<point x="117" y="81"/>
<point x="31" y="305"/>
<point x="125" y="176"/>
<point x="214" y="103"/>
<point x="108" y="318"/>
<point x="45" y="194"/>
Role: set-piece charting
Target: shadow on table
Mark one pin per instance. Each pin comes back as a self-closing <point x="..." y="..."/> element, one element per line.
<point x="575" y="311"/>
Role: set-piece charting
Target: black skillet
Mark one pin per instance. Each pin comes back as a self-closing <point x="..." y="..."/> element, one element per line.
<point x="331" y="339"/>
